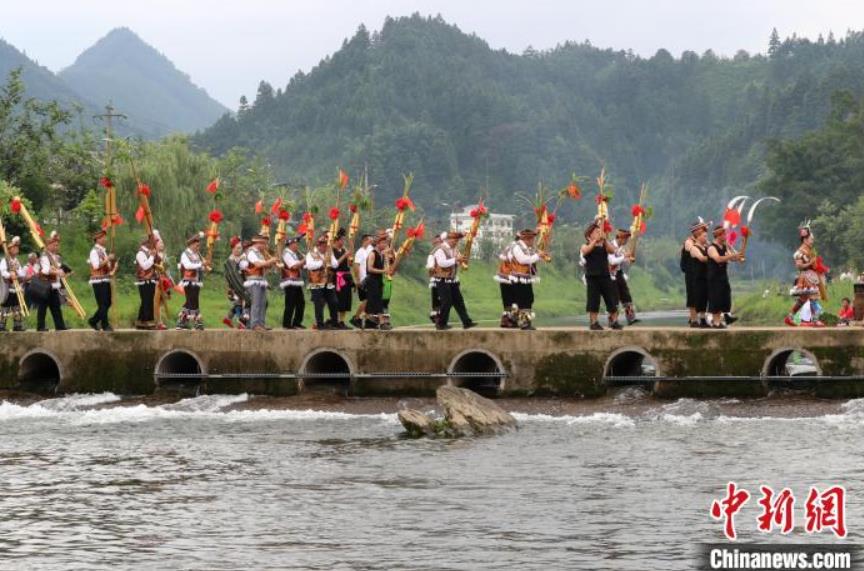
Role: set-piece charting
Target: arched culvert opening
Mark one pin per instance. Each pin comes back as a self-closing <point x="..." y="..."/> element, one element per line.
<point x="478" y="371"/>
<point x="39" y="371"/>
<point x="179" y="367"/>
<point x="326" y="372"/>
<point x="631" y="363"/>
<point x="799" y="366"/>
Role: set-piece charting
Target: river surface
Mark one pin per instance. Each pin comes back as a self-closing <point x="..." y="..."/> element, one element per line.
<point x="236" y="482"/>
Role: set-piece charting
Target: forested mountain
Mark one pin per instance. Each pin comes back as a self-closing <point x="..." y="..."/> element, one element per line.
<point x="41" y="83"/>
<point x="143" y="84"/>
<point x="422" y="96"/>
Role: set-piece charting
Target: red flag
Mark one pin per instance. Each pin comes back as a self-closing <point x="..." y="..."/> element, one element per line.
<point x="732" y="216"/>
<point x="213" y="186"/>
<point x="259" y="207"/>
<point x="276" y="205"/>
<point x="139" y="214"/>
<point x="343" y="179"/>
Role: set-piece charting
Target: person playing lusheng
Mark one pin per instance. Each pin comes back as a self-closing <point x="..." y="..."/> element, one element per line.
<point x="146" y="260"/>
<point x="596" y="252"/>
<point x="687" y="266"/>
<point x="719" y="290"/>
<point x="192" y="268"/>
<point x="509" y="313"/>
<point x="699" y="276"/>
<point x="292" y="283"/>
<point x="11" y="271"/>
<point x="101" y="267"/>
<point x="359" y="269"/>
<point x="256" y="281"/>
<point x="235" y="265"/>
<point x="51" y="270"/>
<point x="523" y="275"/>
<point x="618" y="262"/>
<point x="342" y="278"/>
<point x="376" y="271"/>
<point x="319" y="263"/>
<point x="806" y="287"/>
<point x="447" y="260"/>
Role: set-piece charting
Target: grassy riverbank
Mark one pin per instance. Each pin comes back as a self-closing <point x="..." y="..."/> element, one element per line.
<point x="559" y="294"/>
<point x="769" y="303"/>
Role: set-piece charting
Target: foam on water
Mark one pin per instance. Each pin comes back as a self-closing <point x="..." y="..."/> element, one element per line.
<point x="77" y="401"/>
<point x="615" y="419"/>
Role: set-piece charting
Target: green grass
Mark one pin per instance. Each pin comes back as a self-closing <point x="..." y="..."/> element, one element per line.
<point x="560" y="294"/>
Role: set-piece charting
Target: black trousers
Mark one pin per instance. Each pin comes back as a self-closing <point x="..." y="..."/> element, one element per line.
<point x="523" y="295"/>
<point x="451" y="297"/>
<point x="436" y="299"/>
<point x="601" y="287"/>
<point x="507" y="299"/>
<point x="102" y="293"/>
<point x="52" y="303"/>
<point x="193" y="294"/>
<point x="624" y="295"/>
<point x="147" y="293"/>
<point x="295" y="306"/>
<point x="324" y="296"/>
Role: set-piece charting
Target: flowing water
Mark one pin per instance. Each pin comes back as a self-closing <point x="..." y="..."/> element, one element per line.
<point x="92" y="482"/>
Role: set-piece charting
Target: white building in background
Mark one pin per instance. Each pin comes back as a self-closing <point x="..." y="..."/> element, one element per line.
<point x="497" y="228"/>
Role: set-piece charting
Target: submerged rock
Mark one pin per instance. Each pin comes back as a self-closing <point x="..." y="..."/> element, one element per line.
<point x="465" y="414"/>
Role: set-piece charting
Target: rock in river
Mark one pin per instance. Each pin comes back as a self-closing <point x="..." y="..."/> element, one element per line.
<point x="465" y="414"/>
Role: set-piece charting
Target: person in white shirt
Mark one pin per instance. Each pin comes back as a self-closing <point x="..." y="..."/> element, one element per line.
<point x="523" y="275"/>
<point x="146" y="260"/>
<point x="619" y="262"/>
<point x="447" y="260"/>
<point x="256" y="280"/>
<point x="14" y="274"/>
<point x="292" y="283"/>
<point x="192" y="268"/>
<point x="360" y="273"/>
<point x="510" y="313"/>
<point x="101" y="268"/>
<point x="319" y="263"/>
<point x="51" y="270"/>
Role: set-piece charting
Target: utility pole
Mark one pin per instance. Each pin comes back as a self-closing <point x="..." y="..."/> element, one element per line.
<point x="108" y="117"/>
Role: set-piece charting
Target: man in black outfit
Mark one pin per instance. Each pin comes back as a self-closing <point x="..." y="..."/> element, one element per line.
<point x="51" y="270"/>
<point x="101" y="266"/>
<point x="596" y="252"/>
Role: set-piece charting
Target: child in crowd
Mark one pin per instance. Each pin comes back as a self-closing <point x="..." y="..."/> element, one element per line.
<point x="846" y="313"/>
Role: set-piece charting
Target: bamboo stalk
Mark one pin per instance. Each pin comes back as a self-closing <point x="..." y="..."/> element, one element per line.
<point x="19" y="291"/>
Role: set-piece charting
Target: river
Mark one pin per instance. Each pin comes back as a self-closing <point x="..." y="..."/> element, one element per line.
<point x="237" y="482"/>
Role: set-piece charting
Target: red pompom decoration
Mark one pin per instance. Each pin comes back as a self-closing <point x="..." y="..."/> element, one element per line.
<point x="284" y="215"/>
<point x="479" y="211"/>
<point x="732" y="216"/>
<point x="143" y="189"/>
<point x="106" y="183"/>
<point x="334" y="213"/>
<point x="745" y="231"/>
<point x="216" y="217"/>
<point x="637" y="210"/>
<point x="213" y="186"/>
<point x="551" y="218"/>
<point x="403" y="203"/>
<point x="265" y="221"/>
<point x="353" y="208"/>
<point x="15" y="205"/>
<point x="607" y="227"/>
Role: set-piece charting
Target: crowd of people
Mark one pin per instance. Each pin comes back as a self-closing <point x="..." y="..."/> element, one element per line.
<point x="333" y="272"/>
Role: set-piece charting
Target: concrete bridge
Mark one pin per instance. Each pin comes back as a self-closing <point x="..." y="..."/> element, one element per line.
<point x="672" y="362"/>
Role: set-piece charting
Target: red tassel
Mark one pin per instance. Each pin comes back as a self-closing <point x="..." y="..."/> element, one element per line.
<point x="277" y="204"/>
<point x="139" y="214"/>
<point x="343" y="179"/>
<point x="334" y="213"/>
<point x="106" y="183"/>
<point x="216" y="217"/>
<point x="143" y="189"/>
<point x="284" y="215"/>
<point x="607" y="227"/>
<point x="15" y="206"/>
<point x="213" y="186"/>
<point x="637" y="210"/>
<point x="259" y="207"/>
<point x="403" y="203"/>
<point x="574" y="191"/>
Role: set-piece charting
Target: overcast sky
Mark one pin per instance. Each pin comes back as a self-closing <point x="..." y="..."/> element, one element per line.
<point x="228" y="47"/>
